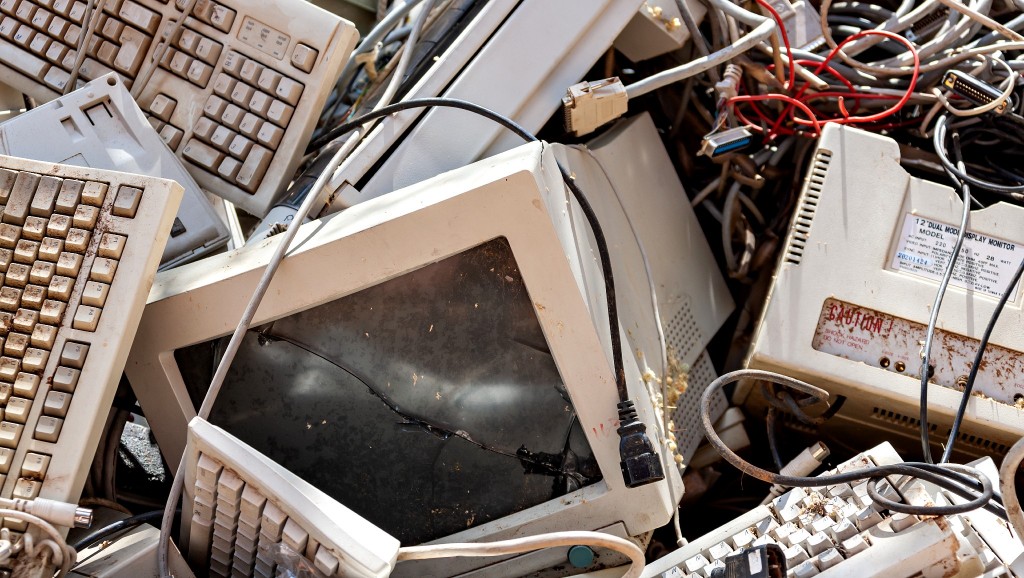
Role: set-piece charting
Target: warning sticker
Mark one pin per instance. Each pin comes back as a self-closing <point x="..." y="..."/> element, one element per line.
<point x="986" y="264"/>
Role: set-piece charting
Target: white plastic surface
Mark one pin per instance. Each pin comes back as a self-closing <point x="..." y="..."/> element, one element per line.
<point x="100" y="126"/>
<point x="270" y="33"/>
<point x="517" y="195"/>
<point x="490" y="65"/>
<point x="842" y="246"/>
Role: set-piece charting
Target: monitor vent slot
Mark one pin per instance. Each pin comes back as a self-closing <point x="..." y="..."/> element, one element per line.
<point x="910" y="423"/>
<point x="689" y="431"/>
<point x="801" y="230"/>
<point x="682" y="334"/>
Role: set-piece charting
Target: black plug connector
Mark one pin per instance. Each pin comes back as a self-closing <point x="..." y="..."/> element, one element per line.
<point x="640" y="462"/>
<point x="765" y="561"/>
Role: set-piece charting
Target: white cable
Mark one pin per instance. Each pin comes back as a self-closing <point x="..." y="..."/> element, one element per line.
<point x="284" y="241"/>
<point x="982" y="19"/>
<point x="1008" y="487"/>
<point x="403" y="62"/>
<point x="762" y="29"/>
<point x="666" y="462"/>
<point x="158" y="54"/>
<point x="529" y="544"/>
<point x="379" y="31"/>
<point x="68" y="554"/>
<point x="93" y="10"/>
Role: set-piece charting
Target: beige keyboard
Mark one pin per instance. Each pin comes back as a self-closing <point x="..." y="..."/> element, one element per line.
<point x="236" y="94"/>
<point x="79" y="248"/>
<point x="248" y="517"/>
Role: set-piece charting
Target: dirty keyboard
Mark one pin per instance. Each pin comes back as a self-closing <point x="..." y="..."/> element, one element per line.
<point x="838" y="531"/>
<point x="248" y="516"/>
<point x="236" y="94"/>
<point x="78" y="251"/>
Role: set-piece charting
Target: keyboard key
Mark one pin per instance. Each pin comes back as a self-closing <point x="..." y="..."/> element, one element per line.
<point x="26" y="385"/>
<point x="303" y="57"/>
<point x="52" y="310"/>
<point x="17" y="410"/>
<point x="35" y="359"/>
<point x="10" y="434"/>
<point x="94" y="193"/>
<point x="6" y="459"/>
<point x="208" y="51"/>
<point x="162" y="107"/>
<point x="65" y="379"/>
<point x="139" y="17"/>
<point x="102" y="270"/>
<point x="85" y="217"/>
<point x="74" y="354"/>
<point x="9" y="236"/>
<point x="289" y="91"/>
<point x="57" y="404"/>
<point x="20" y="199"/>
<point x="26" y="251"/>
<point x="48" y="428"/>
<point x="112" y="245"/>
<point x="42" y="272"/>
<point x="58" y="226"/>
<point x="132" y="51"/>
<point x="87" y="318"/>
<point x="202" y="154"/>
<point x="35" y="465"/>
<point x="25" y="321"/>
<point x="10" y="299"/>
<point x="34" y="228"/>
<point x="78" y="239"/>
<point x="127" y="202"/>
<point x="44" y="336"/>
<point x="253" y="169"/>
<point x="280" y="113"/>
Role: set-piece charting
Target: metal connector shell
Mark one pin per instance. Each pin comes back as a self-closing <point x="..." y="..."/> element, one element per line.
<point x="977" y="92"/>
<point x="726" y="141"/>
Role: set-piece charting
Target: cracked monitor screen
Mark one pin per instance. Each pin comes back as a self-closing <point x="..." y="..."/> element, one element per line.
<point x="428" y="403"/>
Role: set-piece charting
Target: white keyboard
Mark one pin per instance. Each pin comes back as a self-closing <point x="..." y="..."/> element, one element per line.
<point x="244" y="515"/>
<point x="100" y="126"/>
<point x="79" y="248"/>
<point x="837" y="531"/>
<point x="236" y="95"/>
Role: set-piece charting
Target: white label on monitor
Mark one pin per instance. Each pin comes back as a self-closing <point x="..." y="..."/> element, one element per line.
<point x="986" y="264"/>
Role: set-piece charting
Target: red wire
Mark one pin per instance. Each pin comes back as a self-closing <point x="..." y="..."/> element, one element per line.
<point x="759" y="97"/>
<point x="800" y="101"/>
<point x="910" y="89"/>
<point x="785" y="41"/>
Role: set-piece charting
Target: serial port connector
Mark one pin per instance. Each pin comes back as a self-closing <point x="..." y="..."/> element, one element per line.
<point x="975" y="91"/>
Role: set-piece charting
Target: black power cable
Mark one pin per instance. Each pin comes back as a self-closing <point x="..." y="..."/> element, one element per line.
<point x="969" y="385"/>
<point x="639" y="460"/>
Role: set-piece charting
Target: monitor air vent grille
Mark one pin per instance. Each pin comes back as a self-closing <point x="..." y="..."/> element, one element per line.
<point x="801" y="230"/>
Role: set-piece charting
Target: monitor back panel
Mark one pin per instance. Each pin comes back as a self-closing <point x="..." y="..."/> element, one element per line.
<point x="851" y="299"/>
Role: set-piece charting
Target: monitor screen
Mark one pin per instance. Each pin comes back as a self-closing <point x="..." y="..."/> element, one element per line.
<point x="428" y="403"/>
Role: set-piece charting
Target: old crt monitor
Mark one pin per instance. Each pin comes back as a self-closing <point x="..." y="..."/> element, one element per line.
<point x="436" y="359"/>
<point x="850" y="302"/>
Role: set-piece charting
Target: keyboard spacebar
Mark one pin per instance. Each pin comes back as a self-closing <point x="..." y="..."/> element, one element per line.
<point x="26" y="62"/>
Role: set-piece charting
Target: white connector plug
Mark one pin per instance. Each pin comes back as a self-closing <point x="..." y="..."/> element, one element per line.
<point x="54" y="512"/>
<point x="588" y="105"/>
